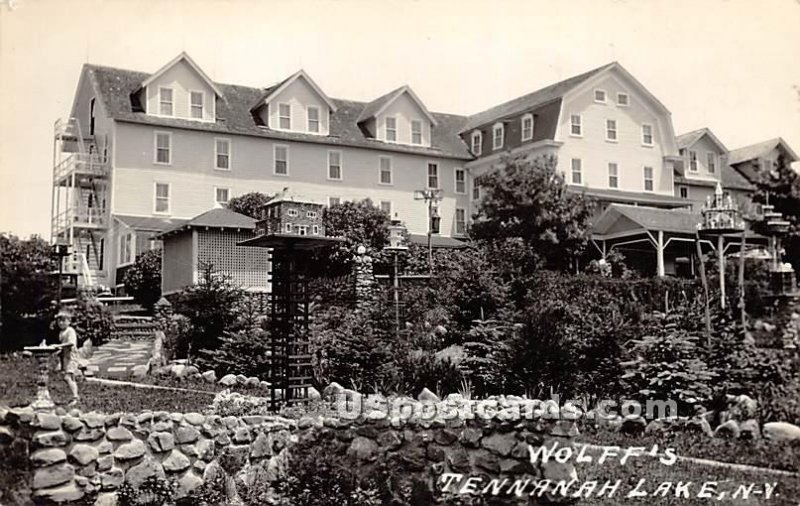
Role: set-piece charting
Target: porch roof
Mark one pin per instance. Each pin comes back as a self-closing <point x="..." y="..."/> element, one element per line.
<point x="619" y="219"/>
<point x="630" y="197"/>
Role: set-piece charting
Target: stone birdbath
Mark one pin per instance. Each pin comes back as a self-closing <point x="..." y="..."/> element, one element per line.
<point x="42" y="354"/>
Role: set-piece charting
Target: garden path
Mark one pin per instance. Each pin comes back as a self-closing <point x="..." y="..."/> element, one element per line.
<point x="116" y="359"/>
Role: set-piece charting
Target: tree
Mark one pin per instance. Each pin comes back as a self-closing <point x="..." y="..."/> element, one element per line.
<point x="780" y="187"/>
<point x="526" y="199"/>
<point x="358" y="223"/>
<point x="26" y="287"/>
<point x="249" y="204"/>
<point x="143" y="278"/>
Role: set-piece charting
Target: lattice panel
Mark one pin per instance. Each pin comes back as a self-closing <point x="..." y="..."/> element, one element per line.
<point x="248" y="267"/>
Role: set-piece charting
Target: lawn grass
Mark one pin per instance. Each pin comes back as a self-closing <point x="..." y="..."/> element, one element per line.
<point x="18" y="376"/>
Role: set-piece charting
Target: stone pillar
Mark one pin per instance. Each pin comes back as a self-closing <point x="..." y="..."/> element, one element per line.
<point x="163" y="312"/>
<point x="366" y="287"/>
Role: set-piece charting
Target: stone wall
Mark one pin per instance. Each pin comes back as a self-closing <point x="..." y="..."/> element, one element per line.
<point x="74" y="455"/>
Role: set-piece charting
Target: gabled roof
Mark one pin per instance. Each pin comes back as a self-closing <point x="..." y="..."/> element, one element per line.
<point x="216" y="218"/>
<point x="380" y="104"/>
<point x="531" y="100"/>
<point x="646" y="218"/>
<point x="234" y="117"/>
<point x="690" y="138"/>
<point x="274" y="90"/>
<point x="182" y="57"/>
<point x="758" y="150"/>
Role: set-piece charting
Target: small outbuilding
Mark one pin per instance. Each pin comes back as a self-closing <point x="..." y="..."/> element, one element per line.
<point x="212" y="239"/>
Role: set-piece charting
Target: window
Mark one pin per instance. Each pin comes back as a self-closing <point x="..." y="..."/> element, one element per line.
<point x="576" y="171"/>
<point x="313" y="119"/>
<point x="196" y="104"/>
<point x="291" y="213"/>
<point x="693" y="161"/>
<point x="162" y="198"/>
<point x="433" y="175"/>
<point x="623" y="99"/>
<point x="163" y="148"/>
<point x="575" y="125"/>
<point x="386" y="207"/>
<point x="311" y="215"/>
<point x="527" y="127"/>
<point x="165" y="101"/>
<point x="301" y="229"/>
<point x="600" y="96"/>
<point x="461" y="221"/>
<point x="648" y="179"/>
<point x="613" y="175"/>
<point x="497" y="136"/>
<point x="647" y="135"/>
<point x="477" y="141"/>
<point x="385" y="176"/>
<point x="285" y="116"/>
<point x="315" y="229"/>
<point x="222" y="195"/>
<point x="223" y="154"/>
<point x="391" y="128"/>
<point x="334" y="201"/>
<point x="683" y="191"/>
<point x="611" y="130"/>
<point x="281" y="160"/>
<point x="126" y="248"/>
<point x="476" y="192"/>
<point x="288" y="228"/>
<point x="461" y="181"/>
<point x="335" y="165"/>
<point x="416" y="131"/>
<point x="711" y="158"/>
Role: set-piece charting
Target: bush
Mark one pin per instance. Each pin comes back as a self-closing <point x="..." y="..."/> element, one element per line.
<point x="178" y="334"/>
<point x="422" y="369"/>
<point x="92" y="320"/>
<point x="485" y="349"/>
<point x="154" y="491"/>
<point x="143" y="278"/>
<point x="244" y="352"/>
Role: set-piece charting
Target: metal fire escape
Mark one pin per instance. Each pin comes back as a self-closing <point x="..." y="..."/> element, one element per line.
<point x="80" y="215"/>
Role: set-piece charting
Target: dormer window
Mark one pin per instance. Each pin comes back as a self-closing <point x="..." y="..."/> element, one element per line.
<point x="477" y="142"/>
<point x="497" y="136"/>
<point x="416" y="131"/>
<point x="196" y="104"/>
<point x="313" y="119"/>
<point x="527" y="127"/>
<point x="165" y="106"/>
<point x="285" y="116"/>
<point x="391" y="128"/>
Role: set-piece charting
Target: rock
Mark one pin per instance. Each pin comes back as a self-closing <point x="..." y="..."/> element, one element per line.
<point x="656" y="426"/>
<point x="50" y="439"/>
<point x="241" y="379"/>
<point x="137" y="474"/>
<point x="52" y="475"/>
<point x="187" y="484"/>
<point x="194" y="418"/>
<point x="176" y="462"/>
<point x="264" y="385"/>
<point x="105" y="448"/>
<point x="186" y="435"/>
<point x="139" y="371"/>
<point x="253" y="419"/>
<point x="728" y="430"/>
<point x="749" y="430"/>
<point x="428" y="396"/>
<point x="71" y="424"/>
<point x="191" y="370"/>
<point x="233" y="458"/>
<point x="313" y="394"/>
<point x="700" y="425"/>
<point x="501" y="444"/>
<point x="47" y="421"/>
<point x="242" y="435"/>
<point x="6" y="436"/>
<point x="252" y="382"/>
<point x="741" y="407"/>
<point x="177" y="370"/>
<point x="94" y="420"/>
<point x="105" y="463"/>
<point x="487" y="461"/>
<point x="50" y="456"/>
<point x="83" y="454"/>
<point x="556" y="471"/>
<point x="330" y="392"/>
<point x="112" y="479"/>
<point x="262" y="447"/>
<point x="209" y="376"/>
<point x="161" y="441"/>
<point x="58" y="495"/>
<point x="119" y="434"/>
<point x="106" y="499"/>
<point x="89" y="434"/>
<point x="633" y="425"/>
<point x="144" y="418"/>
<point x="363" y="449"/>
<point x="130" y="451"/>
<point x="228" y="380"/>
<point x="781" y="431"/>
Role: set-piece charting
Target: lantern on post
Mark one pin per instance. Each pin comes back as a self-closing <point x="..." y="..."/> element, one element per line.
<point x="397" y="233"/>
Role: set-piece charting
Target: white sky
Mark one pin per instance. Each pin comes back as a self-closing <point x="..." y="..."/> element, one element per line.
<point x="731" y="65"/>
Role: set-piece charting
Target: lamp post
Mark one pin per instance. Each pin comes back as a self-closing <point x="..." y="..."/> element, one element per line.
<point x="61" y="251"/>
<point x="397" y="233"/>
<point x="432" y="198"/>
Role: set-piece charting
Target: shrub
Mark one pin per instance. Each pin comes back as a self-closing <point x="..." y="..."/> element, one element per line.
<point x="244" y="352"/>
<point x="177" y="337"/>
<point x="420" y="369"/>
<point x="143" y="278"/>
<point x="249" y="204"/>
<point x="92" y="320"/>
<point x="485" y="350"/>
<point x="154" y="491"/>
